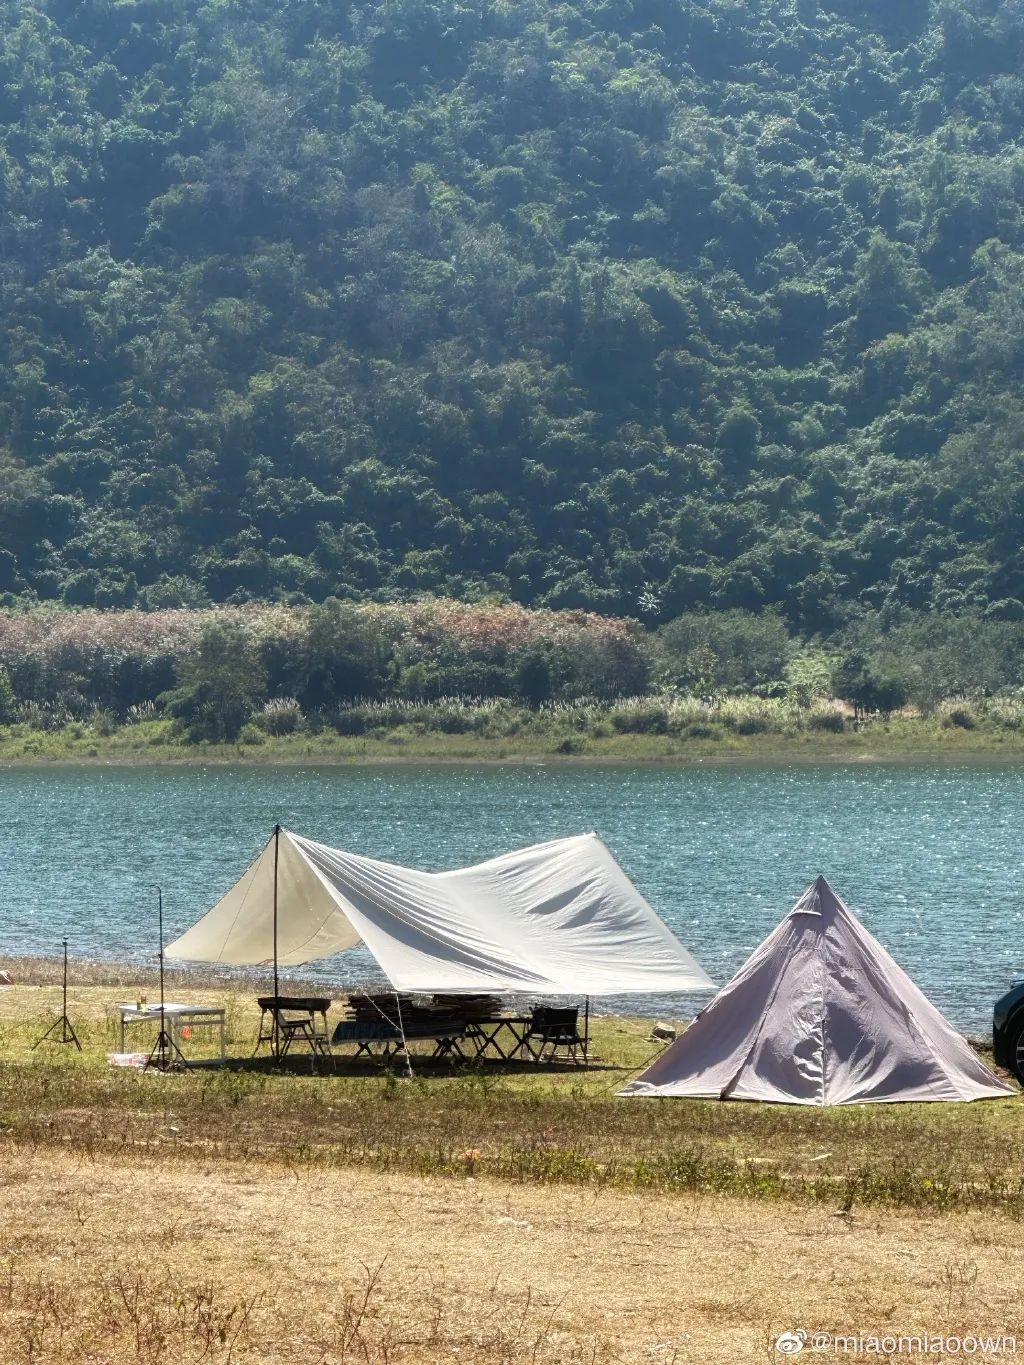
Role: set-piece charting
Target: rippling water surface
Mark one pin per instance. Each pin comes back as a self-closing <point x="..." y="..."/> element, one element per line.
<point x="929" y="857"/>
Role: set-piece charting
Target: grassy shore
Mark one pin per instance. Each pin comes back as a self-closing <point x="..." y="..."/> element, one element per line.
<point x="521" y="1123"/>
<point x="900" y="739"/>
<point x="496" y="1214"/>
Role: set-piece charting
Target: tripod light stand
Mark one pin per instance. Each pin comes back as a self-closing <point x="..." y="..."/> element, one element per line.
<point x="67" y="1029"/>
<point x="166" y="1052"/>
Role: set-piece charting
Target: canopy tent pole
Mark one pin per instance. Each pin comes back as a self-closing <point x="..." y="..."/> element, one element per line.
<point x="277" y="1025"/>
<point x="586" y="1028"/>
<point x="160" y="934"/>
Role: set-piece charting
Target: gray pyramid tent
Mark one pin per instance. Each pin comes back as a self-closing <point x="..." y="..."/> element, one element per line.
<point x="820" y="1014"/>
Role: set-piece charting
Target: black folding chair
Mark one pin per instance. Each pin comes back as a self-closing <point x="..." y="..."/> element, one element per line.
<point x="554" y="1030"/>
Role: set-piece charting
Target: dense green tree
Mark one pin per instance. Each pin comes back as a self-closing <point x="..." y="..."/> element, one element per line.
<point x="733" y="651"/>
<point x="533" y="680"/>
<point x="343" y="657"/>
<point x="646" y="310"/>
<point x="219" y="686"/>
<point x="7" y="699"/>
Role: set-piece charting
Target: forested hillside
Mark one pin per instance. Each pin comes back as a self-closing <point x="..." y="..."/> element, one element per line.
<point x="629" y="305"/>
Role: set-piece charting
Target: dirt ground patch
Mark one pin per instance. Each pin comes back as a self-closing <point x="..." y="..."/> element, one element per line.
<point x="126" y="1259"/>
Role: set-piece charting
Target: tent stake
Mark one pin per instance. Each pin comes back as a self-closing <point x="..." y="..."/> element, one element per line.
<point x="277" y="1003"/>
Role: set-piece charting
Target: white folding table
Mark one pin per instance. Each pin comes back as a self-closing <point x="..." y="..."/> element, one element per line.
<point x="177" y="1017"/>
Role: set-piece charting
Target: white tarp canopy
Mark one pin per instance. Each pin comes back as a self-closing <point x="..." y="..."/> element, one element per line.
<point x="560" y="918"/>
<point x="820" y="1014"/>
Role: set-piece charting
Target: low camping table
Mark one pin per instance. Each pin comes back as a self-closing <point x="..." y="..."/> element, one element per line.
<point x="386" y="1037"/>
<point x="177" y="1017"/>
<point x="294" y="1018"/>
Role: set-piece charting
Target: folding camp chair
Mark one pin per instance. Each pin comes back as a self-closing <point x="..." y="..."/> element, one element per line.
<point x="553" y="1030"/>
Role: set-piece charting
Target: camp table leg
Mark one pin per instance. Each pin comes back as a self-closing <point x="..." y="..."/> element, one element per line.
<point x="480" y="1038"/>
<point x="520" y="1047"/>
<point x="447" y="1047"/>
<point x="526" y="1050"/>
<point x="490" y="1040"/>
<point x="518" y="1031"/>
<point x="262" y="1037"/>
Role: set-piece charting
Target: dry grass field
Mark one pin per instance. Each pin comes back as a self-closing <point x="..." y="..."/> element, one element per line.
<point x="103" y="1259"/>
<point x="491" y="1215"/>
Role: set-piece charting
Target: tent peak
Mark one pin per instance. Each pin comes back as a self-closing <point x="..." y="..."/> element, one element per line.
<point x="818" y="899"/>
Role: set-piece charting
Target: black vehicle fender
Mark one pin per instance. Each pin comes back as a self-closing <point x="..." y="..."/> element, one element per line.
<point x="1009" y="1030"/>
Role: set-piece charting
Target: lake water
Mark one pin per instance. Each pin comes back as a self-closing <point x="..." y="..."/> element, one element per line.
<point x="928" y="856"/>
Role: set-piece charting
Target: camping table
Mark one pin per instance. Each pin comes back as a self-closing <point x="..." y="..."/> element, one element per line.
<point x="177" y="1017"/>
<point x="370" y="1033"/>
<point x="278" y="1014"/>
<point x="484" y="1035"/>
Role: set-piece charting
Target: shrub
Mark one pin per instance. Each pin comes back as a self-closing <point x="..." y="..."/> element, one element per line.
<point x="1008" y="711"/>
<point x="752" y="725"/>
<point x="38" y="716"/>
<point x="251" y="734"/>
<point x="960" y="719"/>
<point x="280" y="716"/>
<point x="832" y="721"/>
<point x="352" y="720"/>
<point x="640" y="716"/>
<point x="747" y="716"/>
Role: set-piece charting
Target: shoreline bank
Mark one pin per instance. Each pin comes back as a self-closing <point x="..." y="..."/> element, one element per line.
<point x="904" y="740"/>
